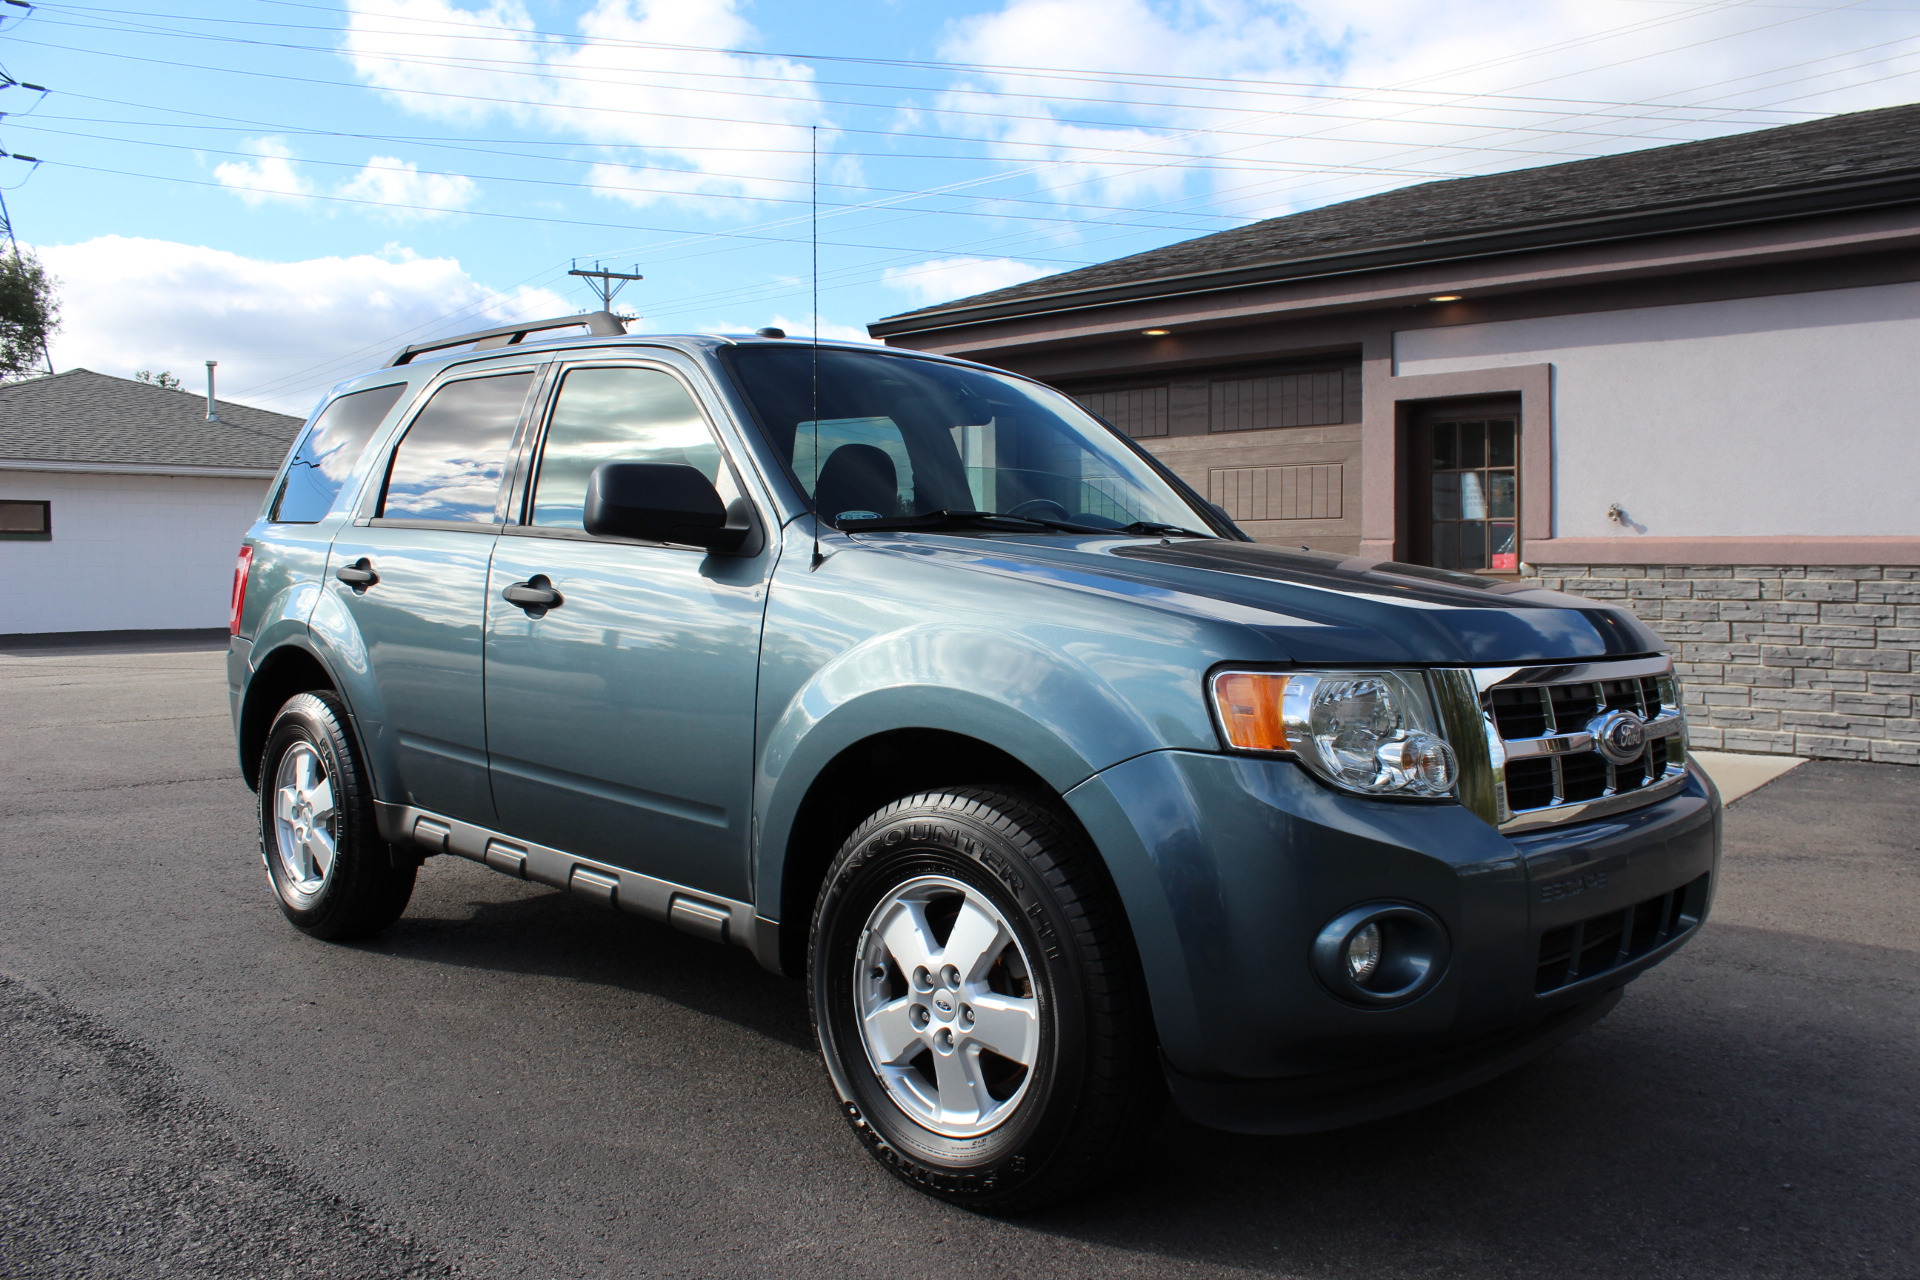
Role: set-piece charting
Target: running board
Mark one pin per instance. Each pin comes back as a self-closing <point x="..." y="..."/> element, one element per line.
<point x="704" y="915"/>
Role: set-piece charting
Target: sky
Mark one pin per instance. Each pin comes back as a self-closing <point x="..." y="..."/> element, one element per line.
<point x="295" y="188"/>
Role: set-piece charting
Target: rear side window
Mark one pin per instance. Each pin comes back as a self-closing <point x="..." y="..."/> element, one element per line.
<point x="328" y="453"/>
<point x="448" y="466"/>
<point x="617" y="415"/>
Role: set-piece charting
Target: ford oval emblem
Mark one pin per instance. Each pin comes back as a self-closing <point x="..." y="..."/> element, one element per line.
<point x="1620" y="736"/>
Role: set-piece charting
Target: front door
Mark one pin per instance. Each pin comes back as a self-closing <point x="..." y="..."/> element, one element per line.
<point x="620" y="720"/>
<point x="1465" y="489"/>
<point x="417" y="594"/>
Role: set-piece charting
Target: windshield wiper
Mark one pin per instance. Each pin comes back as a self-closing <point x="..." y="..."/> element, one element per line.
<point x="943" y="518"/>
<point x="948" y="517"/>
<point x="1144" y="527"/>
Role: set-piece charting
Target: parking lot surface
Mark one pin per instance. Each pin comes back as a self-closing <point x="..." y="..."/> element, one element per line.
<point x="513" y="1083"/>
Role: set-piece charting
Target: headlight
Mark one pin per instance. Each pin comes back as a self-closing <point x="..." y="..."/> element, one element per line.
<point x="1371" y="732"/>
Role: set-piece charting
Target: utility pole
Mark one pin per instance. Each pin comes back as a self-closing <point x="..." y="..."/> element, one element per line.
<point x="13" y="246"/>
<point x="606" y="285"/>
<point x="7" y="81"/>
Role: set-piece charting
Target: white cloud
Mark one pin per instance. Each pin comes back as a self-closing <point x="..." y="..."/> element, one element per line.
<point x="389" y="181"/>
<point x="944" y="279"/>
<point x="282" y="331"/>
<point x="1505" y="85"/>
<point x="803" y="328"/>
<point x="631" y="81"/>
<point x="268" y="179"/>
<point x="405" y="194"/>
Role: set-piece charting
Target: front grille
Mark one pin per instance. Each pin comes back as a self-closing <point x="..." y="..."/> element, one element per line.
<point x="1575" y="952"/>
<point x="1546" y="720"/>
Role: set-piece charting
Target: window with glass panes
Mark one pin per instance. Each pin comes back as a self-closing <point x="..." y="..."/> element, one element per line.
<point x="1473" y="500"/>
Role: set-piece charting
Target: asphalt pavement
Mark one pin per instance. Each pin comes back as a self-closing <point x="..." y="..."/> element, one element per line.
<point x="514" y="1083"/>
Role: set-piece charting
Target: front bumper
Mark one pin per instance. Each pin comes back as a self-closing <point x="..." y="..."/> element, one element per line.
<point x="1229" y="866"/>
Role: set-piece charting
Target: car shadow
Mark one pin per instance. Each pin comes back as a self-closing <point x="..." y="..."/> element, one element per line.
<point x="531" y="929"/>
<point x="1735" y="1116"/>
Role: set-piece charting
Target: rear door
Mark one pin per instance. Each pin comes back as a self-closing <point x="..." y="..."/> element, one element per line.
<point x="412" y="574"/>
<point x="620" y="721"/>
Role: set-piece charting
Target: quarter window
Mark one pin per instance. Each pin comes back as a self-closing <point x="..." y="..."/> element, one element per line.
<point x="327" y="454"/>
<point x="449" y="465"/>
<point x="618" y="415"/>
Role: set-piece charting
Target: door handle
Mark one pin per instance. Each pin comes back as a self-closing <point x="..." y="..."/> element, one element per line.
<point x="536" y="595"/>
<point x="359" y="575"/>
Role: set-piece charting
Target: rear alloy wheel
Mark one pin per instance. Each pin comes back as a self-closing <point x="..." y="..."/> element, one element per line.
<point x="978" y="1001"/>
<point x="333" y="874"/>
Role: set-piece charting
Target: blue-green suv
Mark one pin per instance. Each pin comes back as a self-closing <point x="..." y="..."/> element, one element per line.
<point x="923" y="684"/>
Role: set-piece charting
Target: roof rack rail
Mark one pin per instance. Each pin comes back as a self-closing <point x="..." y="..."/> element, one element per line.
<point x="601" y="324"/>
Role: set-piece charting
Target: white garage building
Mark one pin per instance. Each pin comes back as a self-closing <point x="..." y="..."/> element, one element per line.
<point x="122" y="505"/>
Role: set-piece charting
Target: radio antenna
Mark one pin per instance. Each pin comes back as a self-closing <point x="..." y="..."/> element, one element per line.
<point x="818" y="515"/>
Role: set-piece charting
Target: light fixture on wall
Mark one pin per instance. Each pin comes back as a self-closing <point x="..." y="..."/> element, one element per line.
<point x="1154" y="333"/>
<point x="1444" y="297"/>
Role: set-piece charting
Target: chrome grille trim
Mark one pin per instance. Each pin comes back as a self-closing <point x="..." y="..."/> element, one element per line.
<point x="1578" y="781"/>
<point x="1664" y="725"/>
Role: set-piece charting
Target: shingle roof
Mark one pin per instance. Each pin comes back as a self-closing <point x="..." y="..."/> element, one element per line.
<point x="81" y="416"/>
<point x="1841" y="162"/>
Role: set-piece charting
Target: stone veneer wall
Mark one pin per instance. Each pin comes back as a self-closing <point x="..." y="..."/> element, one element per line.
<point x="1789" y="660"/>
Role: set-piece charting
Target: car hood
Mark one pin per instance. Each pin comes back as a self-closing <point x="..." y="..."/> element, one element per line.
<point x="1317" y="607"/>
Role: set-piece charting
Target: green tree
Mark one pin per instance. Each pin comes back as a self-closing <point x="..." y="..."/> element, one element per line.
<point x="161" y="379"/>
<point x="28" y="312"/>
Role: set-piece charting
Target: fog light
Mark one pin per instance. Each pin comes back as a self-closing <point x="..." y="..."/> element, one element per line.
<point x="1363" y="953"/>
<point x="1381" y="954"/>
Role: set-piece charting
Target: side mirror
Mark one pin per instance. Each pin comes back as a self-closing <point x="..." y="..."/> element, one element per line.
<point x="659" y="502"/>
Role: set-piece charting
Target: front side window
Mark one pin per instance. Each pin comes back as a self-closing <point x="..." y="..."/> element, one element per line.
<point x="618" y="415"/>
<point x="327" y="454"/>
<point x="449" y="464"/>
<point x="878" y="436"/>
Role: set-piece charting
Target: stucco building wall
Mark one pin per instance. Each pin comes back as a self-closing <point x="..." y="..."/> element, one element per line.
<point x="1766" y="416"/>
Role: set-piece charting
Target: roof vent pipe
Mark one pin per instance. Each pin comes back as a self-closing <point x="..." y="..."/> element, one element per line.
<point x="212" y="415"/>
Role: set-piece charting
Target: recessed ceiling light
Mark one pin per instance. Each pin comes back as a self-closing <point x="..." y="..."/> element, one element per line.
<point x="1444" y="297"/>
<point x="1154" y="333"/>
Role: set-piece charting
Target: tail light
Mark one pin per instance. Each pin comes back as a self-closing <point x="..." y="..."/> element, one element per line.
<point x="241" y="568"/>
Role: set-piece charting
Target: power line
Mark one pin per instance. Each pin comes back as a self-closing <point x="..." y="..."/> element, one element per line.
<point x="545" y="71"/>
<point x="1236" y="85"/>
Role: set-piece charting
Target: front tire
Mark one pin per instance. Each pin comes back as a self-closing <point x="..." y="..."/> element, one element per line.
<point x="978" y="1001"/>
<point x="334" y="876"/>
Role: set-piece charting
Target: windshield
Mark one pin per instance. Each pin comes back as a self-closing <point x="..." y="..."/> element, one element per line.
<point x="897" y="437"/>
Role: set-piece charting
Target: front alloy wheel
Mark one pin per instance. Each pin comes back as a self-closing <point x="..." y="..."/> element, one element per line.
<point x="947" y="1010"/>
<point x="978" y="1001"/>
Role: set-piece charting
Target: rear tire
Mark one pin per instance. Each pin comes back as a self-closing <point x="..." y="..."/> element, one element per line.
<point x="334" y="876"/>
<point x="978" y="1001"/>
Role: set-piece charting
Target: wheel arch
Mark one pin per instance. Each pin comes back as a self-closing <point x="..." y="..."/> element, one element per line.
<point x="861" y="778"/>
<point x="289" y="669"/>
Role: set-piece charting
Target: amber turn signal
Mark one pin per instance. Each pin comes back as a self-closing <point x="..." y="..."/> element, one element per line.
<point x="1249" y="704"/>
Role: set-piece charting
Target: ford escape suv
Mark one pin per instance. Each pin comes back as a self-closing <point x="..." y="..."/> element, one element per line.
<point x="926" y="686"/>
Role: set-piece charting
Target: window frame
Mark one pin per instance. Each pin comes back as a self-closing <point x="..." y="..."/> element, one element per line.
<point x="374" y="496"/>
<point x="1419" y="543"/>
<point x="46" y="521"/>
<point x="517" y="507"/>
